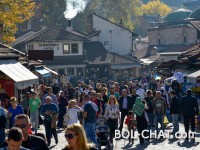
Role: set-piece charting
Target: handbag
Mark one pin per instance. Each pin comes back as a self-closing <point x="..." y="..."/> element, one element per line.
<point x="66" y="119"/>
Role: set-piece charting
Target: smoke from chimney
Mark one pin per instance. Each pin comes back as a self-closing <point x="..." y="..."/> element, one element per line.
<point x="73" y="7"/>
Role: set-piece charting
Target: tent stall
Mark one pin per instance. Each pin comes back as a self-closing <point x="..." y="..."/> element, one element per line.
<point x="194" y="77"/>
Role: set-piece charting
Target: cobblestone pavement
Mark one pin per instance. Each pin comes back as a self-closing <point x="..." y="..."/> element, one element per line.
<point x="164" y="144"/>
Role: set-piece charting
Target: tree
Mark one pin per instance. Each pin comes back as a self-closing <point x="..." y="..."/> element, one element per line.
<point x="13" y="12"/>
<point x="113" y="10"/>
<point x="53" y="12"/>
<point x="156" y="8"/>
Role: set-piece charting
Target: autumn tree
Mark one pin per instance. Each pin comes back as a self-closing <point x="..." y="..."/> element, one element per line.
<point x="156" y="8"/>
<point x="13" y="12"/>
<point x="113" y="10"/>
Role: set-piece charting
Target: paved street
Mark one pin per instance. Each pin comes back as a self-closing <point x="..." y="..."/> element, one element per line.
<point x="153" y="144"/>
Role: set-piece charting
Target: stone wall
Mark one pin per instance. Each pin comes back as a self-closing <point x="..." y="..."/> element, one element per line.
<point x="173" y="35"/>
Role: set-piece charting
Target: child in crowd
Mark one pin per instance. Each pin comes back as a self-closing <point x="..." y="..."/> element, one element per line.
<point x="131" y="124"/>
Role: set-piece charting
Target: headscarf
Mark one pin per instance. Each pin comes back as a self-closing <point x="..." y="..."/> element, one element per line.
<point x="138" y="107"/>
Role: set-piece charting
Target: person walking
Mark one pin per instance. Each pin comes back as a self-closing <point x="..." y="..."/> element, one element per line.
<point x="124" y="106"/>
<point x="89" y="114"/>
<point x="30" y="141"/>
<point x="149" y="109"/>
<point x="14" y="110"/>
<point x="76" y="138"/>
<point x="62" y="103"/>
<point x="34" y="105"/>
<point x="112" y="114"/>
<point x="159" y="108"/>
<point x="14" y="140"/>
<point x="174" y="110"/>
<point x="73" y="109"/>
<point x="189" y="108"/>
<point x="50" y="110"/>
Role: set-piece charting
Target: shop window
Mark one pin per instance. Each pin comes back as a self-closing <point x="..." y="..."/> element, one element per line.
<point x="79" y="71"/>
<point x="70" y="71"/>
<point x="61" y="71"/>
<point x="66" y="48"/>
<point x="74" y="47"/>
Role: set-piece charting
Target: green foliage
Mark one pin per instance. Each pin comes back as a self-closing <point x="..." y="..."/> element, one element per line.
<point x="13" y="12"/>
<point x="113" y="10"/>
<point x="53" y="12"/>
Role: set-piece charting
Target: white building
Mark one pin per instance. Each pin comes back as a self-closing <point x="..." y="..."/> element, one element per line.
<point x="115" y="38"/>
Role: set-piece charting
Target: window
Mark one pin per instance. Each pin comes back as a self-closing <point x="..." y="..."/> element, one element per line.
<point x="74" y="48"/>
<point x="185" y="39"/>
<point x="70" y="71"/>
<point x="30" y="47"/>
<point x="159" y="42"/>
<point x="66" y="48"/>
<point x="70" y="48"/>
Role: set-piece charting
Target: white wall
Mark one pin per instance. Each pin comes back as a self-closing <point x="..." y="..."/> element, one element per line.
<point x="57" y="47"/>
<point x="120" y="40"/>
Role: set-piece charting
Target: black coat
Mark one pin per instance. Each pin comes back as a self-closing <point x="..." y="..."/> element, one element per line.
<point x="149" y="102"/>
<point x="189" y="106"/>
<point x="175" y="106"/>
<point x="129" y="102"/>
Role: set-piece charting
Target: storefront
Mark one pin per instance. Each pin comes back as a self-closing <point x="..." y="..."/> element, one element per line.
<point x="14" y="77"/>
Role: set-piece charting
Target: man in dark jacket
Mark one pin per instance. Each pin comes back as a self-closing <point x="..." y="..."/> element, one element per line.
<point x="124" y="106"/>
<point x="149" y="101"/>
<point x="32" y="142"/>
<point x="174" y="110"/>
<point x="189" y="108"/>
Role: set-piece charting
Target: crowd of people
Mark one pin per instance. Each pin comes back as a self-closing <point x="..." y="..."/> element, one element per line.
<point x="140" y="105"/>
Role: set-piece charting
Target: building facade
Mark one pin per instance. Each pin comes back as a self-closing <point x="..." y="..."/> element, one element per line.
<point x="114" y="37"/>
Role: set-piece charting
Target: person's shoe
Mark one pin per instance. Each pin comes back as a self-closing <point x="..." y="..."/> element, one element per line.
<point x="132" y="141"/>
<point x="56" y="142"/>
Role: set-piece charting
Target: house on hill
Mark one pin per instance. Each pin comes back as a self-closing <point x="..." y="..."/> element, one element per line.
<point x="114" y="37"/>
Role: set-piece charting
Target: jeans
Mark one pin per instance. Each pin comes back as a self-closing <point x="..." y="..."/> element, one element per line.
<point x="90" y="132"/>
<point x="34" y="120"/>
<point x="159" y="118"/>
<point x="175" y="122"/>
<point x="3" y="135"/>
<point x="150" y="116"/>
<point x="169" y="116"/>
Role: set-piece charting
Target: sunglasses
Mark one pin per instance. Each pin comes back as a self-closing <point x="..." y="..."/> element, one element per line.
<point x="70" y="136"/>
<point x="21" y="126"/>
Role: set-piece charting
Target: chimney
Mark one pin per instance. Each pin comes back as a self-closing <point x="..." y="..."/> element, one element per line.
<point x="121" y="22"/>
<point x="69" y="25"/>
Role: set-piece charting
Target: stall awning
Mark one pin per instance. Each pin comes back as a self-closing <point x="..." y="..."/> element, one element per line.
<point x="53" y="72"/>
<point x="192" y="78"/>
<point x="20" y="74"/>
<point x="43" y="72"/>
